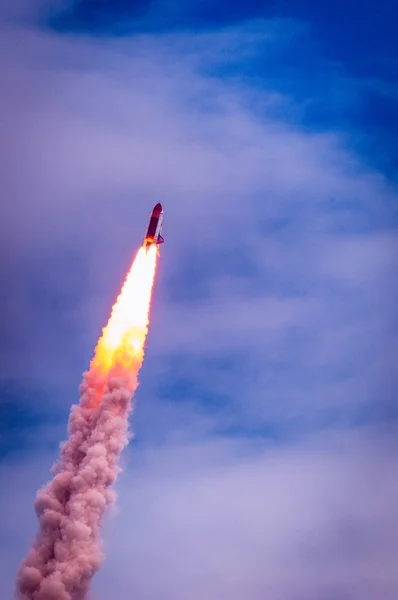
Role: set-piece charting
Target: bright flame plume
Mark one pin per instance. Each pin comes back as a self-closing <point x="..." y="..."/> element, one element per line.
<point x="123" y="339"/>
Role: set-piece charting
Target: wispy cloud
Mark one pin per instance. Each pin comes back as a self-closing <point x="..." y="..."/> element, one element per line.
<point x="280" y="243"/>
<point x="314" y="519"/>
<point x="273" y="314"/>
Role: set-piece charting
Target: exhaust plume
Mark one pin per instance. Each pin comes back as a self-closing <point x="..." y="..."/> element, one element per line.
<point x="67" y="551"/>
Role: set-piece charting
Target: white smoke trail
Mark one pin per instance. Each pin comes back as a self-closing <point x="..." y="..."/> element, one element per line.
<point x="70" y="508"/>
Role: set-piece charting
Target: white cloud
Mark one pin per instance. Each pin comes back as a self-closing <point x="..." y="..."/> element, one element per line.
<point x="276" y="238"/>
<point x="310" y="520"/>
<point x="272" y="311"/>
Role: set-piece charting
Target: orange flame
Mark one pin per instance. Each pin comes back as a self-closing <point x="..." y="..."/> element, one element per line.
<point x="121" y="345"/>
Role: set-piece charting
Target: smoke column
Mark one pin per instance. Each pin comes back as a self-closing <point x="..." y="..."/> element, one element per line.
<point x="67" y="551"/>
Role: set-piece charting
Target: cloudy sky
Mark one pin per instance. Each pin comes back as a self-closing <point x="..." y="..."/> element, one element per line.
<point x="265" y="453"/>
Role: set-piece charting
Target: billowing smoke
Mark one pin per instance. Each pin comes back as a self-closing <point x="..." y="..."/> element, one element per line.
<point x="67" y="551"/>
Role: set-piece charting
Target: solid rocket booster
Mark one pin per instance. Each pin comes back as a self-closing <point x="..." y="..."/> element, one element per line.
<point x="153" y="233"/>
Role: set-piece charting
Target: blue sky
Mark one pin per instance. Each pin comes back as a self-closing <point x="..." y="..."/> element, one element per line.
<point x="340" y="67"/>
<point x="264" y="454"/>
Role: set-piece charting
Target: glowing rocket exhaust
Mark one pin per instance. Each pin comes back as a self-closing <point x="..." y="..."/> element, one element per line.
<point x="67" y="551"/>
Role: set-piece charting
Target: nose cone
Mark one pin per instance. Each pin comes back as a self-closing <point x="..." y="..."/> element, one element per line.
<point x="158" y="208"/>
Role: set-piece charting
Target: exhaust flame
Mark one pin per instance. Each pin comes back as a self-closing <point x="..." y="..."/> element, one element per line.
<point x="67" y="551"/>
<point x="122" y="341"/>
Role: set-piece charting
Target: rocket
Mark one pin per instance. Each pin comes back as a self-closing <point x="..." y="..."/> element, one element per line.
<point x="154" y="230"/>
